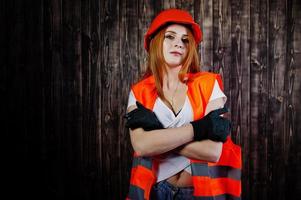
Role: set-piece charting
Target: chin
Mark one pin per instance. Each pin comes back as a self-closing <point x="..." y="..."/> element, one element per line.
<point x="174" y="64"/>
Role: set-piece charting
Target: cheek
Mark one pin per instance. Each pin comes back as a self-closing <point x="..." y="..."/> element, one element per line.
<point x="185" y="53"/>
<point x="165" y="49"/>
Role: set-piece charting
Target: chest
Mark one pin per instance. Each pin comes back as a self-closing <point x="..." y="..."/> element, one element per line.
<point x="167" y="116"/>
<point x="175" y="98"/>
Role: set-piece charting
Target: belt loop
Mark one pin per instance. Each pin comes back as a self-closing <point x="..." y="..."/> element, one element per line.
<point x="175" y="191"/>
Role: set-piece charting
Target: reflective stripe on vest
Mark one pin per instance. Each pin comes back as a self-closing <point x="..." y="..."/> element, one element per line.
<point x="218" y="181"/>
<point x="142" y="177"/>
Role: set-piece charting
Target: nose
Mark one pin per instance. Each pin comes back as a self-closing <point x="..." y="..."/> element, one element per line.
<point x="179" y="43"/>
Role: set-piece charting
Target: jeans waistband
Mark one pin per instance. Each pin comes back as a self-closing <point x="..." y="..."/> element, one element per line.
<point x="175" y="188"/>
<point x="166" y="191"/>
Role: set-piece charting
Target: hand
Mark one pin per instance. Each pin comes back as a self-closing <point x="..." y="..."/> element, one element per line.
<point x="212" y="126"/>
<point x="142" y="117"/>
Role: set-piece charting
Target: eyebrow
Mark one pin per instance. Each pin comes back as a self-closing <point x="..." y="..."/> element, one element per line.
<point x="175" y="33"/>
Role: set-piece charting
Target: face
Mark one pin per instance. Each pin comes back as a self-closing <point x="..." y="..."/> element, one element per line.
<point x="175" y="45"/>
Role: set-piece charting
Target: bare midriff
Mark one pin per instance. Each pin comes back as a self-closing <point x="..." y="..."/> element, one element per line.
<point x="181" y="179"/>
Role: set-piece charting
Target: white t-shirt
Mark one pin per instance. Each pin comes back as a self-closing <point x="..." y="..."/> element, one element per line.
<point x="175" y="163"/>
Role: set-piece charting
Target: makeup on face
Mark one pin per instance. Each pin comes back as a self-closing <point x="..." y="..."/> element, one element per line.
<point x="175" y="44"/>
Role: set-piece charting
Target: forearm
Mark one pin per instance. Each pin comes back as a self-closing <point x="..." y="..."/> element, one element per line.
<point x="206" y="150"/>
<point x="149" y="143"/>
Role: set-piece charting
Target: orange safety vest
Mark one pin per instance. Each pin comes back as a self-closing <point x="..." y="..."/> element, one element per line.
<point x="221" y="180"/>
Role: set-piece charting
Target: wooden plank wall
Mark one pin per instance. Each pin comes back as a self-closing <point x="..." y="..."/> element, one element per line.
<point x="66" y="68"/>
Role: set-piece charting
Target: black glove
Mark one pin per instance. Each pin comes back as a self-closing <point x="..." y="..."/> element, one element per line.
<point x="212" y="126"/>
<point x="142" y="117"/>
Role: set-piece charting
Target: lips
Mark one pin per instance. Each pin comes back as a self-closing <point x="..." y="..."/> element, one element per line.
<point x="176" y="53"/>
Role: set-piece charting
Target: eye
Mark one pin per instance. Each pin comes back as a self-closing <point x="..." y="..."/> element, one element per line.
<point x="171" y="37"/>
<point x="185" y="40"/>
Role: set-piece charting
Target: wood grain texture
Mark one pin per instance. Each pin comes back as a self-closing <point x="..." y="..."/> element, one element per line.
<point x="66" y="71"/>
<point x="276" y="93"/>
<point x="258" y="101"/>
<point x="206" y="21"/>
<point x="239" y="85"/>
<point x="293" y="90"/>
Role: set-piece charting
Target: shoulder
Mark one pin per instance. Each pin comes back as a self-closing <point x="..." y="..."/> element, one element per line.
<point x="205" y="81"/>
<point x="145" y="91"/>
<point x="144" y="85"/>
<point x="146" y="81"/>
<point x="207" y="78"/>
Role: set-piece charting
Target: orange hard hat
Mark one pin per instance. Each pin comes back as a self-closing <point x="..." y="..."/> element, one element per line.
<point x="172" y="16"/>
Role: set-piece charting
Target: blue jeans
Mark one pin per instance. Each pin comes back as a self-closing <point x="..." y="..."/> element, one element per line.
<point x="166" y="191"/>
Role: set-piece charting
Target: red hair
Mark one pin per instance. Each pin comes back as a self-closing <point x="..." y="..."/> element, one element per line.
<point x="156" y="64"/>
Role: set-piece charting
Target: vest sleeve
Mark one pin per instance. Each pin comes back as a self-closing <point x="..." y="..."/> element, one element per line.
<point x="131" y="100"/>
<point x="217" y="93"/>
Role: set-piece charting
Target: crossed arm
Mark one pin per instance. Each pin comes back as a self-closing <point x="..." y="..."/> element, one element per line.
<point x="156" y="142"/>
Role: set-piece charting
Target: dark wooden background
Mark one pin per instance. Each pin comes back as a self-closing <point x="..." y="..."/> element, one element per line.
<point x="66" y="68"/>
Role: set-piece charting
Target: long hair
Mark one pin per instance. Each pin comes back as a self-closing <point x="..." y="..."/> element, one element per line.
<point x="156" y="64"/>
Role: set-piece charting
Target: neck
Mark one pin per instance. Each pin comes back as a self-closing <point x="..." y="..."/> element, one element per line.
<point x="171" y="78"/>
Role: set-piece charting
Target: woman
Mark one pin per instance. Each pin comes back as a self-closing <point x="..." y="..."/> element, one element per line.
<point x="181" y="143"/>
